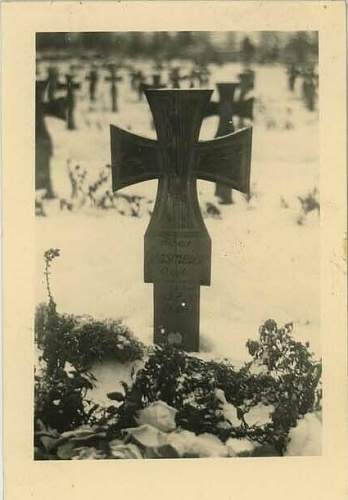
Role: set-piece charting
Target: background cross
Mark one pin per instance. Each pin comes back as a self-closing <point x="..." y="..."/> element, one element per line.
<point x="93" y="78"/>
<point x="113" y="78"/>
<point x="226" y="109"/>
<point x="70" y="87"/>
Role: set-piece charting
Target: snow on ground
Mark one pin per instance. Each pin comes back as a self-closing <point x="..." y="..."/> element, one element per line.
<point x="264" y="264"/>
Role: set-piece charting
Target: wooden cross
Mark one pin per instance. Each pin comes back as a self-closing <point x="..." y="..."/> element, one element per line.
<point x="246" y="81"/>
<point x="70" y="87"/>
<point x="43" y="141"/>
<point x="175" y="77"/>
<point x="53" y="82"/>
<point x="199" y="74"/>
<point x="226" y="108"/>
<point x="93" y="80"/>
<point x="309" y="88"/>
<point x="156" y="83"/>
<point x="177" y="247"/>
<point x="113" y="78"/>
<point x="293" y="73"/>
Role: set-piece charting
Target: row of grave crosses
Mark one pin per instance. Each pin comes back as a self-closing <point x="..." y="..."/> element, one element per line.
<point x="198" y="77"/>
<point x="177" y="246"/>
<point x="309" y="82"/>
<point x="228" y="109"/>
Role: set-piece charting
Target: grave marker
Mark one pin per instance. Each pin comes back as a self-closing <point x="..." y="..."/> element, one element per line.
<point x="199" y="75"/>
<point x="226" y="109"/>
<point x="309" y="88"/>
<point x="53" y="82"/>
<point x="177" y="247"/>
<point x="293" y="73"/>
<point x="70" y="87"/>
<point x="93" y="78"/>
<point x="155" y="84"/>
<point x="246" y="82"/>
<point x="137" y="79"/>
<point x="113" y="78"/>
<point x="43" y="141"/>
<point x="175" y="77"/>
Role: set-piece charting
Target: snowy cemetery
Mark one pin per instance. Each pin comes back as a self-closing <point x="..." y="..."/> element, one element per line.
<point x="203" y="338"/>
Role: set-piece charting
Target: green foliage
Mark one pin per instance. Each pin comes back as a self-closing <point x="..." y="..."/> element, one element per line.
<point x="69" y="345"/>
<point x="293" y="367"/>
<point x="60" y="398"/>
<point x="82" y="340"/>
<point x="287" y="377"/>
<point x="283" y="375"/>
<point x="49" y="256"/>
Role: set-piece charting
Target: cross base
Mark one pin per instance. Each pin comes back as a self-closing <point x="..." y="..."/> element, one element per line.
<point x="176" y="315"/>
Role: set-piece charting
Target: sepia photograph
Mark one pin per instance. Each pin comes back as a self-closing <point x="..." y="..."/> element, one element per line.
<point x="174" y="215"/>
<point x="177" y="245"/>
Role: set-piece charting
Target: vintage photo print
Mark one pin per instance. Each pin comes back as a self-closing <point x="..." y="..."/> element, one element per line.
<point x="181" y="279"/>
<point x="169" y="134"/>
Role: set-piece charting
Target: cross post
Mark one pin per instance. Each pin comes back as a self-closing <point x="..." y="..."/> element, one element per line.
<point x="70" y="87"/>
<point x="93" y="78"/>
<point x="113" y="78"/>
<point x="246" y="81"/>
<point x="53" y="82"/>
<point x="177" y="246"/>
<point x="155" y="84"/>
<point x="226" y="108"/>
<point x="175" y="77"/>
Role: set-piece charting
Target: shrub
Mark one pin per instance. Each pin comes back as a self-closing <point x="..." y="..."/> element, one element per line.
<point x="60" y="398"/>
<point x="82" y="340"/>
<point x="287" y="377"/>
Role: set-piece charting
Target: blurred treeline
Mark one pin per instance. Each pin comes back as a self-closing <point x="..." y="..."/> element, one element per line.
<point x="201" y="47"/>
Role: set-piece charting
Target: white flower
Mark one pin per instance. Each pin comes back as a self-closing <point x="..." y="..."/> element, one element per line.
<point x="259" y="415"/>
<point x="203" y="445"/>
<point x="159" y="415"/>
<point x="147" y="435"/>
<point x="181" y="441"/>
<point x="219" y="393"/>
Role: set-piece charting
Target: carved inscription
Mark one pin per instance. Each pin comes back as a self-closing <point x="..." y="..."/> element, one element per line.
<point x="172" y="259"/>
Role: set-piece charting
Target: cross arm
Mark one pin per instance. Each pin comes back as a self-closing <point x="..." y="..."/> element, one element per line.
<point x="56" y="108"/>
<point x="133" y="158"/>
<point x="244" y="109"/>
<point x="226" y="160"/>
<point x="113" y="78"/>
<point x="211" y="109"/>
